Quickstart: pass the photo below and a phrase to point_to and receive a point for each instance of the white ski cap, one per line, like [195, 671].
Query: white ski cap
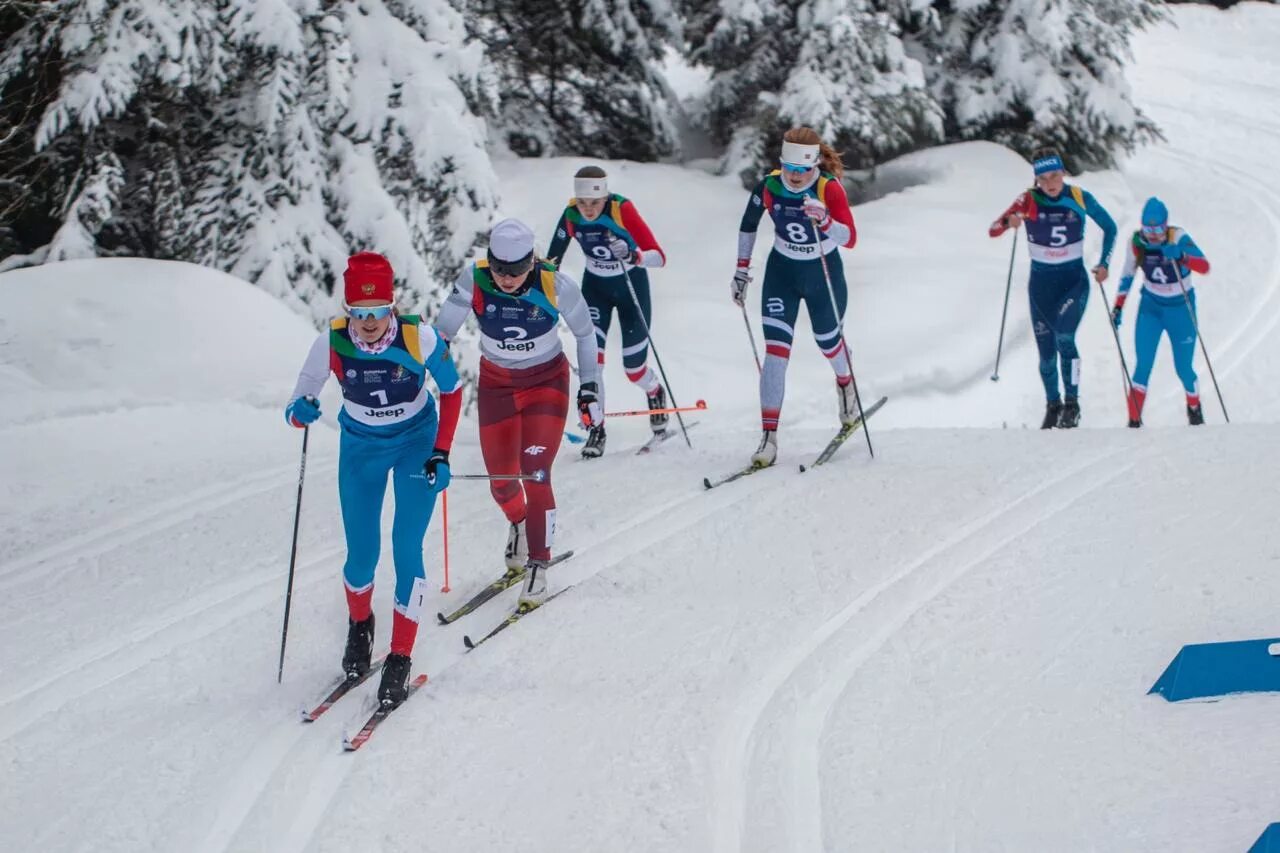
[511, 240]
[797, 154]
[590, 187]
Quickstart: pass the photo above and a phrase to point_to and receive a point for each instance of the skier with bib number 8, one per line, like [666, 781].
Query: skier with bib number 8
[811, 221]
[389, 425]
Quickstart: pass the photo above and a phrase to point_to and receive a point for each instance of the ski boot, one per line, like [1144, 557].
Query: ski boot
[848, 403]
[767, 452]
[1070, 417]
[395, 680]
[1134, 424]
[534, 592]
[1195, 415]
[1052, 413]
[658, 400]
[358, 656]
[517, 551]
[594, 448]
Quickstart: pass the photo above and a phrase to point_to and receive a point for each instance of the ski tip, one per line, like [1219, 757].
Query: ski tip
[442, 618]
[706, 482]
[466, 641]
[803, 469]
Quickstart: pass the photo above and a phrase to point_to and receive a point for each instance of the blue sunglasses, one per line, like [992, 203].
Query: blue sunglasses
[792, 167]
[376, 312]
[1153, 230]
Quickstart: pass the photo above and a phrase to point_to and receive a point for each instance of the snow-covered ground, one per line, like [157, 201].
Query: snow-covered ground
[946, 648]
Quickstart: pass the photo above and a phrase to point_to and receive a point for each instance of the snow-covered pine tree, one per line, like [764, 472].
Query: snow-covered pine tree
[578, 76]
[837, 66]
[1026, 73]
[269, 138]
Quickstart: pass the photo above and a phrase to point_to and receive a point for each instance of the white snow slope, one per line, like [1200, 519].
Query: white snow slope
[945, 648]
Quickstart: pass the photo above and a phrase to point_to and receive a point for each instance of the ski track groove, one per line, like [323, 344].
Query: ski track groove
[156, 518]
[734, 747]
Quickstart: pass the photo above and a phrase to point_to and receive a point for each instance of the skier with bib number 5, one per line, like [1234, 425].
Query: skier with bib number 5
[389, 426]
[1055, 213]
[811, 221]
[1167, 256]
[523, 396]
[618, 247]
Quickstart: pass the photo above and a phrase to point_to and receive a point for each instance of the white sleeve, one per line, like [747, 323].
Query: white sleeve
[454, 311]
[315, 370]
[573, 310]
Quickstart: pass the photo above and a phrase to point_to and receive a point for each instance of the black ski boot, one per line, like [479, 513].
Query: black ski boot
[1070, 417]
[658, 400]
[594, 448]
[1134, 424]
[359, 653]
[1052, 412]
[395, 680]
[1195, 416]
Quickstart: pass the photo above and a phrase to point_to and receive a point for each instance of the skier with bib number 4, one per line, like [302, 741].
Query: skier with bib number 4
[1167, 256]
[523, 397]
[389, 426]
[618, 247]
[811, 220]
[1055, 213]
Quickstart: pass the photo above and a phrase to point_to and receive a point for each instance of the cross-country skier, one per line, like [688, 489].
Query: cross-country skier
[618, 246]
[1055, 214]
[1167, 256]
[523, 398]
[389, 425]
[811, 220]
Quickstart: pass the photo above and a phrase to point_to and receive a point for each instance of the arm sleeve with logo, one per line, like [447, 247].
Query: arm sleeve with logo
[1192, 257]
[750, 224]
[573, 310]
[315, 370]
[454, 311]
[648, 252]
[841, 229]
[561, 239]
[1099, 215]
[440, 365]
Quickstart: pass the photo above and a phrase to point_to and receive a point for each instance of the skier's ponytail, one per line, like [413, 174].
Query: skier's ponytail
[828, 158]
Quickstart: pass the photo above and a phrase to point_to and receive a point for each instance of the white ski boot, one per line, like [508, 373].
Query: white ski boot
[767, 452]
[534, 591]
[517, 553]
[848, 403]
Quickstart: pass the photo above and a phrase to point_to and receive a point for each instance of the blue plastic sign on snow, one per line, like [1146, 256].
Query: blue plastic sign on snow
[1268, 841]
[1218, 669]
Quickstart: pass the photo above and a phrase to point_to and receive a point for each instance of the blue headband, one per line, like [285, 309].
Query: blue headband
[1052, 163]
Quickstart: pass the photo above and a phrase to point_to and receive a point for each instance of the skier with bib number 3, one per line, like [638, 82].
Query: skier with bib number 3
[389, 426]
[618, 246]
[1055, 213]
[811, 220]
[523, 396]
[1167, 256]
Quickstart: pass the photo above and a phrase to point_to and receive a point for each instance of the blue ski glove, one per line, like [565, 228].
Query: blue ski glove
[1171, 251]
[437, 471]
[302, 412]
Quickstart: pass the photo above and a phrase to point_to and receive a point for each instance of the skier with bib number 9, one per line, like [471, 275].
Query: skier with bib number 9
[1167, 256]
[618, 247]
[389, 425]
[523, 398]
[811, 221]
[1055, 213]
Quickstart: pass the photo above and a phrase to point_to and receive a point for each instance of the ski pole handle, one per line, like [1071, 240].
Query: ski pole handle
[538, 476]
[698, 406]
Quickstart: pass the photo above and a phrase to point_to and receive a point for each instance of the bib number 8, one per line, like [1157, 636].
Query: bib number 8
[797, 232]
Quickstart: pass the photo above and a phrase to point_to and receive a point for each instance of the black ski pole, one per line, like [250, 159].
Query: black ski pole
[636, 299]
[1195, 324]
[1115, 333]
[835, 311]
[293, 553]
[1008, 285]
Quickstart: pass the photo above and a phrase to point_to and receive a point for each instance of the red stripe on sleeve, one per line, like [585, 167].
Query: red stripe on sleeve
[450, 411]
[838, 206]
[639, 230]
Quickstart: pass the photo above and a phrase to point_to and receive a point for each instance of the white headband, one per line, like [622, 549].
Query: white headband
[590, 187]
[797, 154]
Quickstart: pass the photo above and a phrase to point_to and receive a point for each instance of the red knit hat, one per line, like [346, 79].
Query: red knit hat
[368, 276]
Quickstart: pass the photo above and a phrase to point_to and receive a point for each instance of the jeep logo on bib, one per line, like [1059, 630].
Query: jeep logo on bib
[384, 413]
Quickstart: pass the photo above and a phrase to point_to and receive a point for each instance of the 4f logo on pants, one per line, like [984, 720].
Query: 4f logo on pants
[534, 449]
